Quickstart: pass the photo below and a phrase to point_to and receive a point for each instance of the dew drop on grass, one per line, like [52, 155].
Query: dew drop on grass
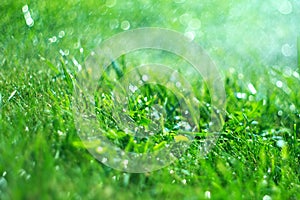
[241, 95]
[25, 8]
[285, 7]
[280, 143]
[252, 88]
[279, 84]
[104, 160]
[190, 35]
[81, 50]
[145, 77]
[3, 183]
[125, 25]
[207, 194]
[114, 24]
[28, 19]
[194, 24]
[110, 3]
[280, 113]
[267, 197]
[61, 34]
[286, 50]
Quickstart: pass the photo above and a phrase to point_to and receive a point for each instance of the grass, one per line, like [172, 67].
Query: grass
[42, 157]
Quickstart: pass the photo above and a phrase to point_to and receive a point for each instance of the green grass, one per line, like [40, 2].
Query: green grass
[42, 156]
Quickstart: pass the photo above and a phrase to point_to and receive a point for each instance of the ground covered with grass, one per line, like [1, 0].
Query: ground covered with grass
[43, 46]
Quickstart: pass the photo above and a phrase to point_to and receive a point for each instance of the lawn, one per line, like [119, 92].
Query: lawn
[45, 46]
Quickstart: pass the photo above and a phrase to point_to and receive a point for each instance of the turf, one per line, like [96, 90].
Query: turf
[258, 151]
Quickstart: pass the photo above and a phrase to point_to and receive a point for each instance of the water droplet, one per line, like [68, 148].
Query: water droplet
[61, 34]
[285, 7]
[125, 25]
[3, 183]
[104, 160]
[25, 8]
[280, 113]
[279, 84]
[113, 24]
[185, 18]
[207, 194]
[251, 88]
[145, 77]
[110, 3]
[296, 74]
[52, 39]
[132, 88]
[194, 24]
[286, 50]
[171, 171]
[240, 76]
[125, 163]
[190, 35]
[280, 143]
[178, 84]
[241, 95]
[183, 181]
[267, 197]
[99, 149]
[28, 19]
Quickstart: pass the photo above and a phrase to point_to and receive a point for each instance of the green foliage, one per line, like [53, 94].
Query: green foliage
[41, 155]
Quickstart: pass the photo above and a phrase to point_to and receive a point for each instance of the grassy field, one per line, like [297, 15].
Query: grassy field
[43, 46]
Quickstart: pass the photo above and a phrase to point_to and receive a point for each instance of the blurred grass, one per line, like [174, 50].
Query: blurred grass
[41, 156]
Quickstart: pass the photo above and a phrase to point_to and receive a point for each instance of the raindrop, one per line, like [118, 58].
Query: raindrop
[267, 197]
[99, 149]
[279, 84]
[28, 19]
[61, 34]
[207, 194]
[178, 84]
[125, 163]
[171, 171]
[285, 7]
[190, 35]
[280, 113]
[104, 160]
[241, 95]
[280, 143]
[145, 78]
[194, 24]
[3, 183]
[286, 50]
[132, 88]
[52, 39]
[113, 24]
[296, 74]
[241, 76]
[111, 3]
[292, 107]
[185, 18]
[81, 50]
[252, 88]
[125, 25]
[25, 8]
[183, 181]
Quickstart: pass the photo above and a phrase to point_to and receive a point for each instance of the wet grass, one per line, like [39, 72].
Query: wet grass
[42, 157]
